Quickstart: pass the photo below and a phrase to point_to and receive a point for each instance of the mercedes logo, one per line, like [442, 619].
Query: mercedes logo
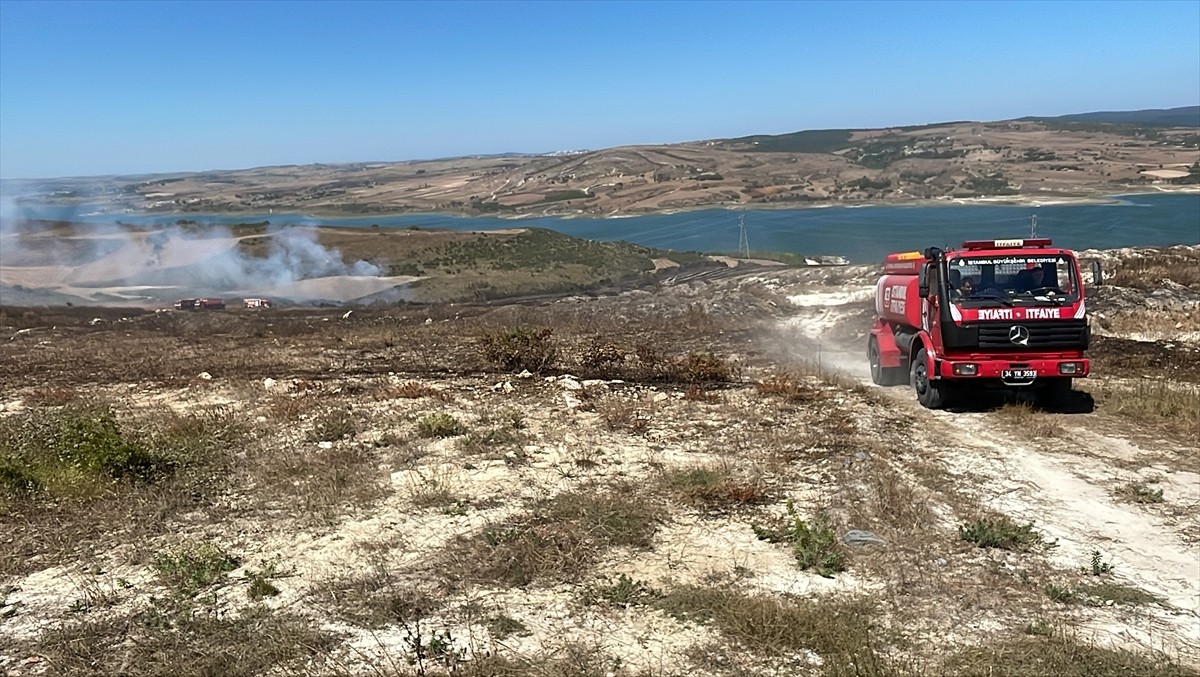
[1018, 335]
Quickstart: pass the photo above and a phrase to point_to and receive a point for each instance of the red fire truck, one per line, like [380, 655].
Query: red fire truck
[200, 304]
[993, 314]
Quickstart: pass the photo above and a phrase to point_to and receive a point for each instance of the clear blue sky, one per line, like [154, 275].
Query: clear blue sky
[96, 88]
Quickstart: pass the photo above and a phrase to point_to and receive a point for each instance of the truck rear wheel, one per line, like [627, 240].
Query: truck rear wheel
[881, 375]
[930, 393]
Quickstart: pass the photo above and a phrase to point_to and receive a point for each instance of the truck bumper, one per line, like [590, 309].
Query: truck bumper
[1016, 372]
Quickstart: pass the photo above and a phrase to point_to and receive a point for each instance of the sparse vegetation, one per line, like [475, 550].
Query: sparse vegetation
[520, 348]
[999, 531]
[565, 515]
[193, 566]
[814, 544]
[1139, 492]
[715, 487]
[440, 425]
[333, 425]
[558, 539]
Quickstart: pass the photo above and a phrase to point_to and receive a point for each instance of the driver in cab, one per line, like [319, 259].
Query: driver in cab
[1035, 281]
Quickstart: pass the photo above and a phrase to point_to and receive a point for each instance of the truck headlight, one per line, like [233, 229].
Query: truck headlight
[966, 369]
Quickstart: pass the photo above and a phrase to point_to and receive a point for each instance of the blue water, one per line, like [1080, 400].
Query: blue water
[861, 234]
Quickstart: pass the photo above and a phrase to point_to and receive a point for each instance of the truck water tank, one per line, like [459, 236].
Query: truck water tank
[897, 300]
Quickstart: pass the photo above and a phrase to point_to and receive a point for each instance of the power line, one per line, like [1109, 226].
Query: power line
[743, 241]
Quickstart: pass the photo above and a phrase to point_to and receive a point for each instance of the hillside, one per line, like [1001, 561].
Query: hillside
[693, 479]
[1070, 157]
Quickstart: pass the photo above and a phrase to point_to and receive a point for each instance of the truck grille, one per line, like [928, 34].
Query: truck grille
[1042, 334]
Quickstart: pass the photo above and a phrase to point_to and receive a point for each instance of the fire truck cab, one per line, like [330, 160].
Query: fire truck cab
[993, 314]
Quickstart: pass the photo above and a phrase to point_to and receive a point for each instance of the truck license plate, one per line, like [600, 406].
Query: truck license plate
[1018, 374]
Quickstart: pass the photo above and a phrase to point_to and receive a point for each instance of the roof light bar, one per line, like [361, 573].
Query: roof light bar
[1007, 244]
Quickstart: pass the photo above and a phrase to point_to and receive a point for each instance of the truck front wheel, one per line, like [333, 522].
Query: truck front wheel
[930, 393]
[881, 375]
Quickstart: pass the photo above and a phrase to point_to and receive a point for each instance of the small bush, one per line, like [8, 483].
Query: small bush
[703, 368]
[1137, 492]
[440, 425]
[622, 591]
[191, 567]
[713, 487]
[333, 425]
[814, 545]
[520, 348]
[787, 387]
[412, 390]
[77, 452]
[1000, 532]
[1098, 566]
[261, 586]
[621, 413]
[602, 359]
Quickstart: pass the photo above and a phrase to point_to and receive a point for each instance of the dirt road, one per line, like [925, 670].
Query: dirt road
[1069, 474]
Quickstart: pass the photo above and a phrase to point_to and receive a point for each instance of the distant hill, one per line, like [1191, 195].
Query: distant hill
[1184, 116]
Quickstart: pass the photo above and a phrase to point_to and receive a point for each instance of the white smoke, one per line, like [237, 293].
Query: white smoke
[162, 262]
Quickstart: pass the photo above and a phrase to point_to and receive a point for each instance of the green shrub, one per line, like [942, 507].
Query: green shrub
[75, 451]
[439, 425]
[814, 545]
[1000, 532]
[194, 566]
[333, 425]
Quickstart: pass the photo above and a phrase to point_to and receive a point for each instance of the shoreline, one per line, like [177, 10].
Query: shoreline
[1020, 200]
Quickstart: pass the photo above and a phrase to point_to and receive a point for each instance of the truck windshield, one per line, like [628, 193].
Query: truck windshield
[1034, 279]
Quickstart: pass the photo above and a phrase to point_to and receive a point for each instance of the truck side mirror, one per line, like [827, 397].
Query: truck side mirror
[1097, 272]
[923, 280]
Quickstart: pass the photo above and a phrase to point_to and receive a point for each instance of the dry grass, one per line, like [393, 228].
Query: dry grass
[168, 636]
[329, 444]
[1153, 402]
[1149, 270]
[716, 487]
[1030, 422]
[843, 633]
[790, 387]
[1060, 654]
[557, 540]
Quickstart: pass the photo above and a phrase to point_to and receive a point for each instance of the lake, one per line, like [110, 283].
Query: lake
[861, 234]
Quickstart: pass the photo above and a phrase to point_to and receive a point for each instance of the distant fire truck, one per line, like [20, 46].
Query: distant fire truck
[256, 304]
[996, 313]
[200, 304]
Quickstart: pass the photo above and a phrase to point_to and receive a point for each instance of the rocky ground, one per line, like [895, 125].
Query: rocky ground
[692, 479]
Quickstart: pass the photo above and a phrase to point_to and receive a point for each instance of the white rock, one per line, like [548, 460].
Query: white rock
[525, 374]
[268, 383]
[571, 384]
[508, 388]
[347, 315]
[205, 376]
[661, 397]
[324, 445]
